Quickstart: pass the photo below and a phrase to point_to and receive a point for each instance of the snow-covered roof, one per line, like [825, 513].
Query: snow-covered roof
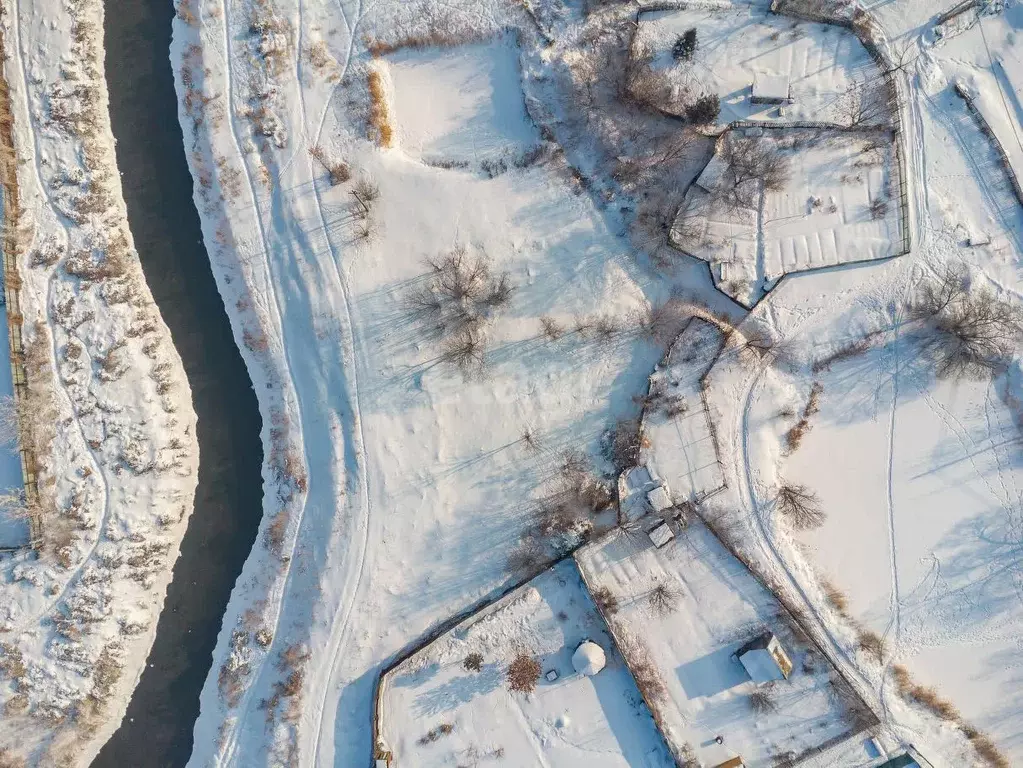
[588, 658]
[710, 177]
[659, 498]
[771, 87]
[764, 659]
[761, 666]
[661, 535]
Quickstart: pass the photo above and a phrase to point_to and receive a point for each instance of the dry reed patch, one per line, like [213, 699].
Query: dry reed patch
[380, 129]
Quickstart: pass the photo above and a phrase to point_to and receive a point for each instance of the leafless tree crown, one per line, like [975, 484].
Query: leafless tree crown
[801, 506]
[968, 333]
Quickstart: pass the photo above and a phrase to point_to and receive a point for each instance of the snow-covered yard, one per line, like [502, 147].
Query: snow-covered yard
[823, 66]
[837, 201]
[437, 712]
[712, 606]
[680, 447]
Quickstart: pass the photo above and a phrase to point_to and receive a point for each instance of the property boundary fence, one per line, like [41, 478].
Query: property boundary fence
[12, 297]
[862, 25]
[985, 128]
[956, 10]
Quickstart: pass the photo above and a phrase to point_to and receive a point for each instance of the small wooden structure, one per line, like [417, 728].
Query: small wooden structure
[660, 535]
[764, 659]
[770, 89]
[735, 762]
[659, 498]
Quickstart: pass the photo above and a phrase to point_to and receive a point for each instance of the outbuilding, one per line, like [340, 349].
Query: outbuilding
[659, 498]
[764, 659]
[770, 89]
[660, 535]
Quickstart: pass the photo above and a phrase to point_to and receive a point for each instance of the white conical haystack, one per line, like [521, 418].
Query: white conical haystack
[588, 658]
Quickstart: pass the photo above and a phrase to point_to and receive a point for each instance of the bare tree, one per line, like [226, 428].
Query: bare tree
[801, 506]
[969, 333]
[605, 600]
[551, 328]
[465, 351]
[866, 104]
[751, 164]
[624, 443]
[664, 598]
[457, 302]
[760, 701]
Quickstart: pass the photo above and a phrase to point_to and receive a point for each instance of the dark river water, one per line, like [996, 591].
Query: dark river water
[157, 730]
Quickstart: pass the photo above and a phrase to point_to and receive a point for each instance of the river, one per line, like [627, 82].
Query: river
[157, 729]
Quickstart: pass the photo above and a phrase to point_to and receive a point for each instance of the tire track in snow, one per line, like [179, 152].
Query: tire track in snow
[895, 599]
[230, 742]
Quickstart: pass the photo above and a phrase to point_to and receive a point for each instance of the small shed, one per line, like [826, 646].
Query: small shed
[660, 535]
[710, 177]
[735, 762]
[770, 89]
[659, 498]
[764, 659]
[588, 658]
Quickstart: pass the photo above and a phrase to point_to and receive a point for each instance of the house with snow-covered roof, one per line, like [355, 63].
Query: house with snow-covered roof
[764, 659]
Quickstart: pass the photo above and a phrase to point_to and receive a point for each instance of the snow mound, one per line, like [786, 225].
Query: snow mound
[588, 658]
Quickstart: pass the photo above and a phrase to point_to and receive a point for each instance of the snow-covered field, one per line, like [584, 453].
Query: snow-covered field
[924, 523]
[108, 411]
[436, 712]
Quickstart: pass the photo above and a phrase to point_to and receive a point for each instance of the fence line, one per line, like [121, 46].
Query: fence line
[12, 297]
[985, 128]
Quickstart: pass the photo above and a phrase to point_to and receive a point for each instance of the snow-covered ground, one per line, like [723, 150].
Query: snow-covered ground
[711, 607]
[437, 712]
[108, 407]
[823, 66]
[397, 485]
[838, 204]
[930, 470]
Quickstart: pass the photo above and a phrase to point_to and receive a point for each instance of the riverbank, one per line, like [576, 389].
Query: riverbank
[108, 415]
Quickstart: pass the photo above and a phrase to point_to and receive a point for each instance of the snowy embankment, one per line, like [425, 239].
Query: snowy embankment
[107, 412]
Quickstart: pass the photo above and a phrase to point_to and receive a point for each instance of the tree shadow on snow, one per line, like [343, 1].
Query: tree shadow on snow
[459, 690]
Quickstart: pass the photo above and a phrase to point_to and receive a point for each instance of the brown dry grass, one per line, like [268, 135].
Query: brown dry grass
[836, 597]
[380, 128]
[872, 643]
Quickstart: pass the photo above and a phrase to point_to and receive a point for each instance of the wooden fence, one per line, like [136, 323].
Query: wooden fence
[985, 128]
